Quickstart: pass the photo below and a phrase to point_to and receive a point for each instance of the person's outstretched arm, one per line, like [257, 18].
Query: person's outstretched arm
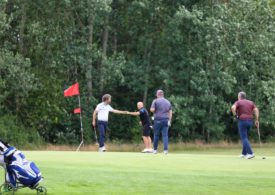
[134, 113]
[119, 112]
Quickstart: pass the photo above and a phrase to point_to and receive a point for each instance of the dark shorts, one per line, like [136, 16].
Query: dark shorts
[146, 130]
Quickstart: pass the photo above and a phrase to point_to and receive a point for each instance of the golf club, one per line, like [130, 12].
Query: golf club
[259, 135]
[260, 141]
[95, 136]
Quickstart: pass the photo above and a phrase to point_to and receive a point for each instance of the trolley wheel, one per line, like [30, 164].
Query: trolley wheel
[7, 189]
[41, 190]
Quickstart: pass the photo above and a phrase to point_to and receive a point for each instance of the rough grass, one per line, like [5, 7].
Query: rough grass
[194, 171]
[175, 147]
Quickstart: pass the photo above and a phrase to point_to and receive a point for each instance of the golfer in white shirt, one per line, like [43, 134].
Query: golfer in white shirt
[102, 112]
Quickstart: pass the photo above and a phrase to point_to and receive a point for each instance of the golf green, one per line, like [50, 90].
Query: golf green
[195, 172]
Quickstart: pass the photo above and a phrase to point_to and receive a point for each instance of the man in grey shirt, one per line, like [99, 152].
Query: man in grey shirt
[162, 110]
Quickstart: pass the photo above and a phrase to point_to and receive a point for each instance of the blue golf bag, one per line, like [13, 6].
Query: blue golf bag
[19, 169]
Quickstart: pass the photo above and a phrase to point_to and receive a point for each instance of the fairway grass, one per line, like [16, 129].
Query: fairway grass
[198, 172]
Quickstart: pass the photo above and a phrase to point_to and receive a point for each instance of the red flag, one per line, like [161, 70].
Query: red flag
[77, 110]
[72, 90]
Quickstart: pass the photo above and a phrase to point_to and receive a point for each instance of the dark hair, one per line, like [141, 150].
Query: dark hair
[242, 95]
[106, 97]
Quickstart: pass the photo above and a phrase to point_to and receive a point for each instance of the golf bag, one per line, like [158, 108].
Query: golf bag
[18, 168]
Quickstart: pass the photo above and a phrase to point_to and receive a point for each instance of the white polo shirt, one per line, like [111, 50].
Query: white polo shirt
[103, 111]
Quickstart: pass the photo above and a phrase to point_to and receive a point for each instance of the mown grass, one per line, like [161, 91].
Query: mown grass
[199, 171]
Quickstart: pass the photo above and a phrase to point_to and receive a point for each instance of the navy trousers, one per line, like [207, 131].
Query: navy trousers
[102, 126]
[244, 128]
[161, 126]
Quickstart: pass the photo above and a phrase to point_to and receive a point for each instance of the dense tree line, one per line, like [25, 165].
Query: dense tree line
[201, 52]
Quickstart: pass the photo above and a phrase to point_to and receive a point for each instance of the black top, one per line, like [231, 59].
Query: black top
[144, 117]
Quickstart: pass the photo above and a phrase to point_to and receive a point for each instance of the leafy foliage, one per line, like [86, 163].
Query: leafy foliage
[202, 53]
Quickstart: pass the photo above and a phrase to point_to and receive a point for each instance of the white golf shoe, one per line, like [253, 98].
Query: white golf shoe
[102, 149]
[242, 156]
[147, 150]
[249, 156]
[144, 151]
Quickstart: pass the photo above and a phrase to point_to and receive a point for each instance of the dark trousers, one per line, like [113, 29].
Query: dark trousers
[244, 128]
[161, 126]
[102, 126]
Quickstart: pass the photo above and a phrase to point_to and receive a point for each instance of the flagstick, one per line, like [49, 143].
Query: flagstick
[81, 126]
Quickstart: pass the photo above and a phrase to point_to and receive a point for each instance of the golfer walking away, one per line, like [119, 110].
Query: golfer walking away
[146, 126]
[162, 110]
[102, 112]
[244, 110]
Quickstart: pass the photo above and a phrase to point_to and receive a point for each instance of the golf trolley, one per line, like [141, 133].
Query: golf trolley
[7, 189]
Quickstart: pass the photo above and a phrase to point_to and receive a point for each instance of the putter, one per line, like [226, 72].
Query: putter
[259, 135]
[260, 141]
[95, 136]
